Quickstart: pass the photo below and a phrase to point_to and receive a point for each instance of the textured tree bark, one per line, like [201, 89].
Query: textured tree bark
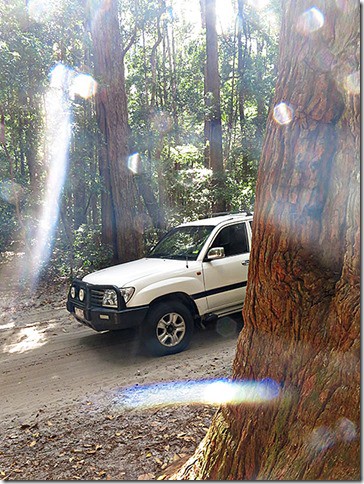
[302, 306]
[119, 199]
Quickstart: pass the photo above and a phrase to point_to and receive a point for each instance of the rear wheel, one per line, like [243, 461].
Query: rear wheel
[168, 328]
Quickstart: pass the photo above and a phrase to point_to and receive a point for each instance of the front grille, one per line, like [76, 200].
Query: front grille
[96, 297]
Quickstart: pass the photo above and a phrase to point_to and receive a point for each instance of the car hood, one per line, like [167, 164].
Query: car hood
[124, 275]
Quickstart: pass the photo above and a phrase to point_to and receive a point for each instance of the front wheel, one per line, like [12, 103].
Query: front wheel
[168, 329]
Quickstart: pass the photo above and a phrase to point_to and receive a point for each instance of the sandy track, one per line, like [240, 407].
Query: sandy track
[72, 362]
[63, 416]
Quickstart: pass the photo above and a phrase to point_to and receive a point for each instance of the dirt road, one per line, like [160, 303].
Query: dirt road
[54, 370]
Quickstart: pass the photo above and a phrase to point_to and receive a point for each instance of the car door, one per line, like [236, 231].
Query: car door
[226, 278]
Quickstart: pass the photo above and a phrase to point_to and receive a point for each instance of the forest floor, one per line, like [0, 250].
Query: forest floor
[65, 410]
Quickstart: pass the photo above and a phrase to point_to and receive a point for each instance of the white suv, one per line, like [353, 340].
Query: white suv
[197, 272]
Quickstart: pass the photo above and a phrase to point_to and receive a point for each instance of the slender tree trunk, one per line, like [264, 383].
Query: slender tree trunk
[301, 311]
[241, 62]
[231, 117]
[261, 111]
[153, 61]
[212, 96]
[119, 199]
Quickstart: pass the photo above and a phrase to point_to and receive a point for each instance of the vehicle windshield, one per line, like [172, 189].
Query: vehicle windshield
[182, 242]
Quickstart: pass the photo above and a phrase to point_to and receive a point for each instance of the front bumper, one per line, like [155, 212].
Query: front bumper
[101, 318]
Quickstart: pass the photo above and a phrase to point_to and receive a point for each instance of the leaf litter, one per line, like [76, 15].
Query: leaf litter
[89, 445]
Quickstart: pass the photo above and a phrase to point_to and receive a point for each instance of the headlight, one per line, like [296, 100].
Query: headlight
[127, 292]
[81, 294]
[110, 298]
[73, 292]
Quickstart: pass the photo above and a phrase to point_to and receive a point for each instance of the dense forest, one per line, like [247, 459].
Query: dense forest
[119, 121]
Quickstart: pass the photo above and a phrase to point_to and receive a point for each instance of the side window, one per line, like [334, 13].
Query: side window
[234, 240]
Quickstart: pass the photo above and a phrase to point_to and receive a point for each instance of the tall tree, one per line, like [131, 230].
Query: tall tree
[119, 198]
[302, 307]
[213, 131]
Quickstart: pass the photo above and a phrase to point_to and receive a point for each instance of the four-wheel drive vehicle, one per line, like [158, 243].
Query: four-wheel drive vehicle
[197, 272]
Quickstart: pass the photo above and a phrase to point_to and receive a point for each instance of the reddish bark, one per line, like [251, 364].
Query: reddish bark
[119, 198]
[302, 306]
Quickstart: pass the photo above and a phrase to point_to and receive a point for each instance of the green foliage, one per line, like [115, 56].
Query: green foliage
[166, 112]
[85, 254]
[89, 252]
[8, 224]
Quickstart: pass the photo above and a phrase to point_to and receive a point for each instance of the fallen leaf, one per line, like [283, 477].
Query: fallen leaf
[49, 423]
[148, 454]
[176, 457]
[98, 447]
[110, 417]
[181, 434]
[32, 444]
[117, 434]
[158, 461]
[161, 478]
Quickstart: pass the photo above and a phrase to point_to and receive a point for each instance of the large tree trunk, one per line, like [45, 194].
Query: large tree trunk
[119, 198]
[302, 307]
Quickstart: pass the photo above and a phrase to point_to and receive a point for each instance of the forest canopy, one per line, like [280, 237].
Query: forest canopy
[55, 183]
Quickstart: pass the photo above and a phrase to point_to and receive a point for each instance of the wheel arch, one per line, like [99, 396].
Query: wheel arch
[181, 297]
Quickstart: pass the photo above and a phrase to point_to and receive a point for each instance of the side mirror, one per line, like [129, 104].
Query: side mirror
[216, 253]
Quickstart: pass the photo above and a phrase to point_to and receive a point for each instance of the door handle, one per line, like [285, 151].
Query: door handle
[245, 262]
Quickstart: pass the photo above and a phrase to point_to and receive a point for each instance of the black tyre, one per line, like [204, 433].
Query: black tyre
[167, 329]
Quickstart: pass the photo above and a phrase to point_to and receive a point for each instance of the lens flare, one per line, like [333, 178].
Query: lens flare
[208, 392]
[352, 83]
[345, 430]
[322, 438]
[162, 122]
[226, 326]
[134, 163]
[283, 113]
[310, 21]
[11, 191]
[83, 85]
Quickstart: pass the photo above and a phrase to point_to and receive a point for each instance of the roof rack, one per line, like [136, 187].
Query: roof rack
[219, 214]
